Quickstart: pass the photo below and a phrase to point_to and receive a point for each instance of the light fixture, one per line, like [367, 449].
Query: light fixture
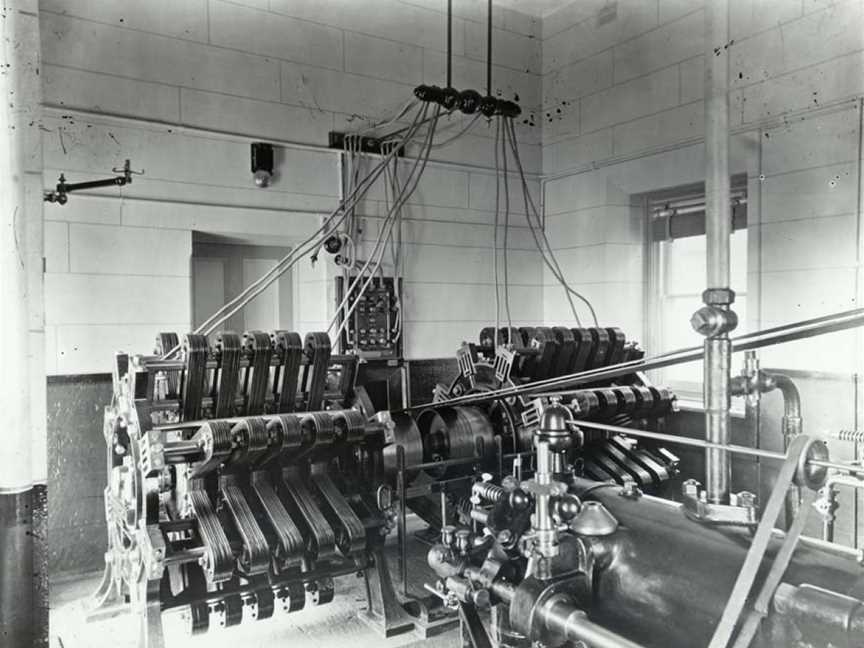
[262, 163]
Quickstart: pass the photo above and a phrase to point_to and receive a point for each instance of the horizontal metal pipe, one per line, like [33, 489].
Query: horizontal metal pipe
[830, 547]
[154, 364]
[461, 461]
[671, 438]
[736, 449]
[769, 337]
[563, 617]
[244, 137]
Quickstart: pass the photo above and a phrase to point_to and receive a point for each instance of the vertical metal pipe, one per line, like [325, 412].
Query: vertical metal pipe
[400, 519]
[717, 420]
[718, 228]
[449, 44]
[718, 220]
[489, 51]
[543, 524]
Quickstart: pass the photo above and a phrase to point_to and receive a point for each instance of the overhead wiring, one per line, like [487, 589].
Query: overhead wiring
[382, 237]
[408, 190]
[547, 254]
[496, 331]
[505, 178]
[329, 226]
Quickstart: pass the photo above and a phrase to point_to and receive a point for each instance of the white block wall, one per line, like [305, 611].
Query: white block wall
[118, 263]
[627, 78]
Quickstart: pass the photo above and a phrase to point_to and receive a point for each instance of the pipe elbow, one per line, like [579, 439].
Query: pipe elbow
[791, 395]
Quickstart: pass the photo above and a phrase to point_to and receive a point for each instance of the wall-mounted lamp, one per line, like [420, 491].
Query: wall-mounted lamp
[262, 163]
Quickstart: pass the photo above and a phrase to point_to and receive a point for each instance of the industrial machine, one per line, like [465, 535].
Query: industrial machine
[578, 560]
[241, 482]
[245, 475]
[531, 354]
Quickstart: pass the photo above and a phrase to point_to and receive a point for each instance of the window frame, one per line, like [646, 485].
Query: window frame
[689, 394]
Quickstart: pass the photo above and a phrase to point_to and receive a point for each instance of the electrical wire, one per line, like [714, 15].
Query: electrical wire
[397, 261]
[552, 268]
[449, 44]
[347, 204]
[281, 266]
[382, 234]
[413, 181]
[388, 122]
[387, 226]
[497, 329]
[489, 52]
[505, 178]
[551, 261]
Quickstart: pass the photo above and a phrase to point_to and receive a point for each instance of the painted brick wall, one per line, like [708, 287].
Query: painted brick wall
[623, 114]
[118, 263]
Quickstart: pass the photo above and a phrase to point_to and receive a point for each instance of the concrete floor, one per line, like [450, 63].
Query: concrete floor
[326, 626]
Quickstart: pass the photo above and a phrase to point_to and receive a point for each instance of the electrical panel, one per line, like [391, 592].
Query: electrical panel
[374, 329]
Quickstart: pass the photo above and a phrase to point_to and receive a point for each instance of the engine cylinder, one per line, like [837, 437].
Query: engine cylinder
[664, 580]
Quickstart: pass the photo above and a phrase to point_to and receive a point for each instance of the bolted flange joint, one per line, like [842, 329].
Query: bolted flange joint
[718, 296]
[712, 321]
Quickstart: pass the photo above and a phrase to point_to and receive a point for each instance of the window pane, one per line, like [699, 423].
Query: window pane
[685, 265]
[683, 278]
[738, 261]
[677, 333]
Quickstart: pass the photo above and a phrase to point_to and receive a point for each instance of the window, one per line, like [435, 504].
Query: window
[677, 253]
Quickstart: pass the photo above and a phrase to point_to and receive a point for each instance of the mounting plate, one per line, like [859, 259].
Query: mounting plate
[336, 140]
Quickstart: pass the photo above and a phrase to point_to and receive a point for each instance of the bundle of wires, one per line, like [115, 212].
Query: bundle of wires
[402, 193]
[397, 193]
[538, 233]
[331, 225]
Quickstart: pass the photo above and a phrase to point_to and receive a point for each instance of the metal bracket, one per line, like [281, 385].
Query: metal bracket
[741, 510]
[503, 363]
[60, 195]
[466, 364]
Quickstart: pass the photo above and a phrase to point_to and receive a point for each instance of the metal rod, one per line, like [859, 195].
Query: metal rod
[848, 468]
[671, 438]
[735, 449]
[831, 547]
[716, 397]
[718, 223]
[718, 230]
[180, 128]
[156, 363]
[449, 43]
[489, 52]
[757, 340]
[402, 521]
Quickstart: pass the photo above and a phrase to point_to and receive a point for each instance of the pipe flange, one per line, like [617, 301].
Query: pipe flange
[813, 477]
[712, 321]
[718, 296]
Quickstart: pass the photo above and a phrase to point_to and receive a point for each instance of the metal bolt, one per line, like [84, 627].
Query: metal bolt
[746, 499]
[690, 488]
